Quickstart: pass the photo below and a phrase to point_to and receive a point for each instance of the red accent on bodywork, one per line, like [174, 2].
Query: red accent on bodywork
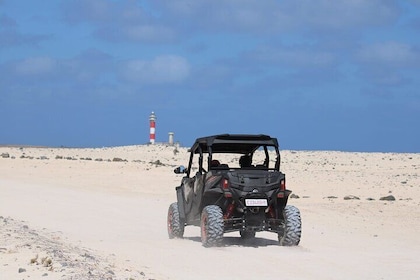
[282, 185]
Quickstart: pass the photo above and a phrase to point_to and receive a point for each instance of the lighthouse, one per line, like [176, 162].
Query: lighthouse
[152, 119]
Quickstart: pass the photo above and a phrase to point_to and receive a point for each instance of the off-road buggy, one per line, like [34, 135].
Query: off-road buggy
[234, 183]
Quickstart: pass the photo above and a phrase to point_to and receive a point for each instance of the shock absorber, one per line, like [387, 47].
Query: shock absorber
[229, 211]
[271, 212]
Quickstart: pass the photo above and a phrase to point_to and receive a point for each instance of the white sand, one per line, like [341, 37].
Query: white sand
[89, 219]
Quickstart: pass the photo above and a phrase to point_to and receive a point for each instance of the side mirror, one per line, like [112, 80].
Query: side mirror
[180, 170]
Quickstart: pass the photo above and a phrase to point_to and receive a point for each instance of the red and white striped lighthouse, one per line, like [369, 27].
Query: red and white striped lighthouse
[152, 119]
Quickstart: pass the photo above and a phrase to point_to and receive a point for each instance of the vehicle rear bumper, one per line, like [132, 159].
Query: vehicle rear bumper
[242, 224]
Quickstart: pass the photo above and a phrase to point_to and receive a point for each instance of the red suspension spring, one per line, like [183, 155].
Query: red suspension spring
[229, 210]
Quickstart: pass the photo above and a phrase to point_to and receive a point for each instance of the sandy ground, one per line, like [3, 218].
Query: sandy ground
[101, 214]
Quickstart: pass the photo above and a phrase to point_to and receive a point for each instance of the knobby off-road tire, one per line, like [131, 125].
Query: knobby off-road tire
[175, 225]
[212, 226]
[293, 228]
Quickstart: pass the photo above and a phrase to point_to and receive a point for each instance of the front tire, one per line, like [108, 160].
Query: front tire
[293, 227]
[175, 225]
[212, 226]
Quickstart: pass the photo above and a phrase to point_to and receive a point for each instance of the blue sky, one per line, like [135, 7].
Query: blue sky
[316, 74]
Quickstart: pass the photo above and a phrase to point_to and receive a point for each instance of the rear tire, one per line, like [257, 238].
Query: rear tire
[175, 226]
[293, 227]
[212, 226]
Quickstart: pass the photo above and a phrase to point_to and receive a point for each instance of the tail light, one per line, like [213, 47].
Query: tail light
[225, 184]
[282, 188]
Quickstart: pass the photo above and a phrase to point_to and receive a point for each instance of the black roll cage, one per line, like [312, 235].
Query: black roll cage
[244, 144]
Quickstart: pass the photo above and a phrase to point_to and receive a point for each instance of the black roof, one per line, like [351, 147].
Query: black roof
[233, 143]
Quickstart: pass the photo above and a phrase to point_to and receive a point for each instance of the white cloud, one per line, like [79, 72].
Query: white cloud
[296, 56]
[267, 16]
[93, 10]
[7, 22]
[389, 53]
[165, 20]
[415, 2]
[148, 33]
[119, 21]
[162, 69]
[36, 66]
[388, 64]
[341, 14]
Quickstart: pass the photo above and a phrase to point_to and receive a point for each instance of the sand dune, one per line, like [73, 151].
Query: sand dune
[101, 214]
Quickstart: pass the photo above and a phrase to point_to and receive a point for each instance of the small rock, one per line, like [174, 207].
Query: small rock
[369, 198]
[34, 260]
[157, 163]
[294, 196]
[351, 197]
[46, 261]
[5, 155]
[21, 270]
[388, 198]
[45, 274]
[117, 159]
[331, 197]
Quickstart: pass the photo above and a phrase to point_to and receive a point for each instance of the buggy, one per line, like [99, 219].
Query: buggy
[233, 183]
